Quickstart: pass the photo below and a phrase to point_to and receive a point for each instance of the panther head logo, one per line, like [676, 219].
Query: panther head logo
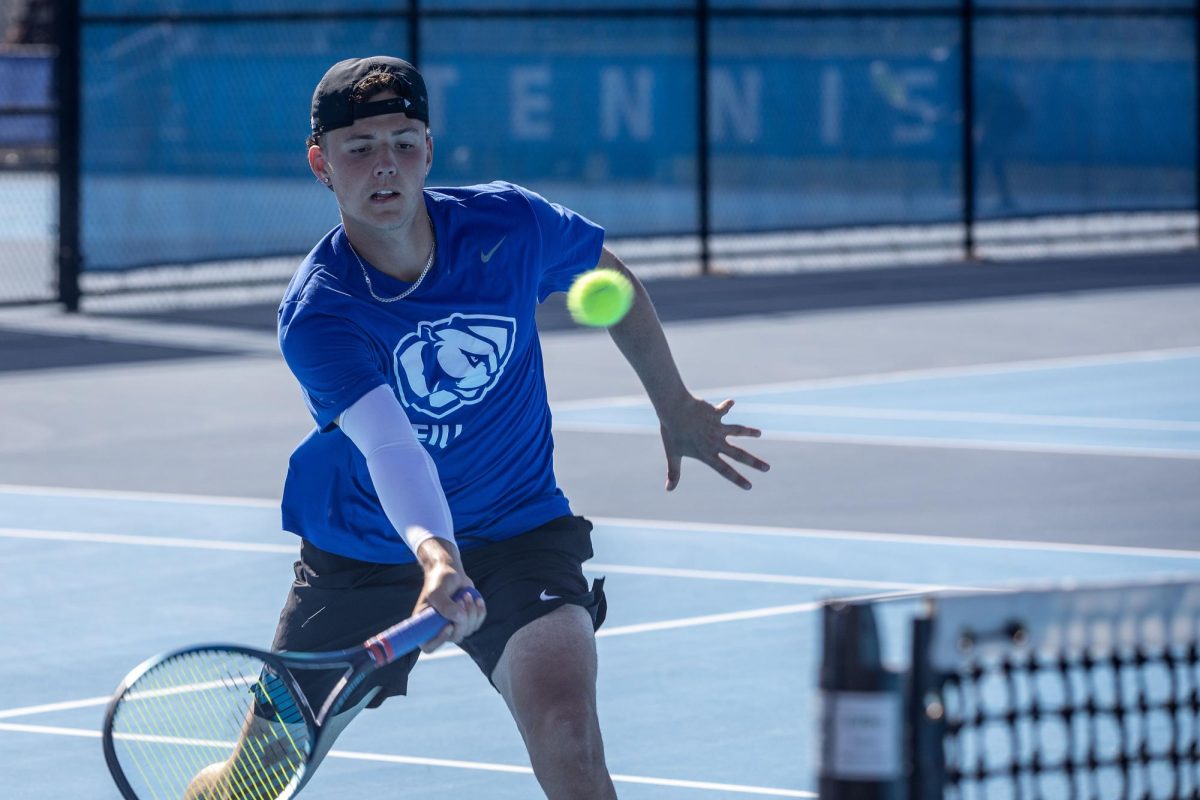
[452, 362]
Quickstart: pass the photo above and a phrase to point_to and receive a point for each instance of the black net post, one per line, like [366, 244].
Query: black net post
[67, 87]
[926, 719]
[861, 737]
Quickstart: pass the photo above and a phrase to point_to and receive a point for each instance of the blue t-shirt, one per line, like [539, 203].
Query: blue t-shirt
[462, 355]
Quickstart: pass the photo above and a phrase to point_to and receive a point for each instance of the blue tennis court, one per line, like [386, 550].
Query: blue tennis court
[709, 655]
[1144, 403]
[943, 254]
[708, 659]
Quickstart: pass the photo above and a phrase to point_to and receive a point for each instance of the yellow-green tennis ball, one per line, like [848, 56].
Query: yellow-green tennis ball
[600, 298]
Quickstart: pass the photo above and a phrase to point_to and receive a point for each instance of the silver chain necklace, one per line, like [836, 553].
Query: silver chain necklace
[409, 290]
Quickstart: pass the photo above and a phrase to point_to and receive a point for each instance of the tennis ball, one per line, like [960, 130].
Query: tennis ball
[600, 298]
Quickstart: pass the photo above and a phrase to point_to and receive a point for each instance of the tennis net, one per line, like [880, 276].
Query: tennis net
[1063, 692]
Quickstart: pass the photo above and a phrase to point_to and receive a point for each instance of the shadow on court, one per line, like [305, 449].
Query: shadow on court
[722, 296]
[677, 300]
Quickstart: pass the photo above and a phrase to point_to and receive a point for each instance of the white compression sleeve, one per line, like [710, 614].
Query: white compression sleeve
[404, 475]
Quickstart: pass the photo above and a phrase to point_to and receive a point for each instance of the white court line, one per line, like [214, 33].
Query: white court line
[973, 370]
[649, 526]
[623, 630]
[149, 497]
[669, 572]
[713, 619]
[447, 651]
[146, 541]
[918, 442]
[50, 708]
[1052, 420]
[664, 572]
[625, 569]
[754, 577]
[91, 702]
[731, 788]
[995, 368]
[673, 525]
[385, 758]
[49, 729]
[620, 630]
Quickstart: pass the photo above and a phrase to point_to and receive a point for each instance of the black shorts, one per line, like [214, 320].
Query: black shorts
[338, 602]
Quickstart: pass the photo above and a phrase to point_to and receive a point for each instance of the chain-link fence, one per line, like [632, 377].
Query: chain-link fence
[28, 191]
[718, 135]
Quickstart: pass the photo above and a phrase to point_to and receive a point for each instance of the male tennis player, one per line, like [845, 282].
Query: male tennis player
[410, 328]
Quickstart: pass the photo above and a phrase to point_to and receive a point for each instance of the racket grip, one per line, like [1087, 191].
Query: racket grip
[406, 636]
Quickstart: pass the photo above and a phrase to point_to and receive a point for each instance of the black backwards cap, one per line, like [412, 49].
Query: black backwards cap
[334, 104]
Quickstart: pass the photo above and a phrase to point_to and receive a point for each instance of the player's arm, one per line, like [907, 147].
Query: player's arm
[690, 426]
[407, 483]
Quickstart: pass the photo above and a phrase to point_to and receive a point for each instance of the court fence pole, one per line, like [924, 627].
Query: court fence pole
[703, 196]
[967, 20]
[68, 78]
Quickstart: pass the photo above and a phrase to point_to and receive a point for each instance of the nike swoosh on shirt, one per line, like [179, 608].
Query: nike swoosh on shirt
[545, 597]
[486, 257]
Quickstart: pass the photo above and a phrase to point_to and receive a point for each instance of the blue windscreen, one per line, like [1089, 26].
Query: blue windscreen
[194, 129]
[818, 123]
[1079, 114]
[99, 9]
[194, 142]
[26, 88]
[596, 114]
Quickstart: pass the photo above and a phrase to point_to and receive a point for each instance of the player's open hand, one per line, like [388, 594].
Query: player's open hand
[697, 429]
[444, 576]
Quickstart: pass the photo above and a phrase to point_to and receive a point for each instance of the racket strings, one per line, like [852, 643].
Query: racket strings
[211, 719]
[279, 747]
[153, 714]
[248, 773]
[222, 723]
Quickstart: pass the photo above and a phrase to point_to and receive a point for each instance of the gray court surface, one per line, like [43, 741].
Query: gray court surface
[199, 402]
[927, 427]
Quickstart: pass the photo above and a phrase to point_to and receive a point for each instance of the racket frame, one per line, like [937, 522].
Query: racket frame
[278, 662]
[359, 662]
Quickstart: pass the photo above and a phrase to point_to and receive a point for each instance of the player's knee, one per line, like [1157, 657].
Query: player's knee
[569, 733]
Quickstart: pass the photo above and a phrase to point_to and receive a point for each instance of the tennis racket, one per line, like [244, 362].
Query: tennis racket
[225, 722]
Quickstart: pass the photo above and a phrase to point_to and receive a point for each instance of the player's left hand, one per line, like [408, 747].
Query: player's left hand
[697, 430]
